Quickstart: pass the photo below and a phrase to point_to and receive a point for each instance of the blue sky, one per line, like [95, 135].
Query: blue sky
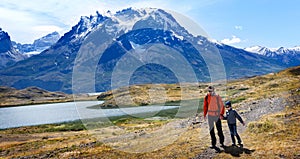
[238, 23]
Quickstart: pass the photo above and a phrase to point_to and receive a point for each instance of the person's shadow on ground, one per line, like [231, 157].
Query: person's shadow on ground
[236, 151]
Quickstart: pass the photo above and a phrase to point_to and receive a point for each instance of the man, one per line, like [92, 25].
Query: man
[213, 107]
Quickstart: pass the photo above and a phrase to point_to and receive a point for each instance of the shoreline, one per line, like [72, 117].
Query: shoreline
[49, 102]
[167, 113]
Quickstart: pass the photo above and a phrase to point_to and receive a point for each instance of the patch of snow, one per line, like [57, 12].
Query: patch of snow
[125, 23]
[137, 47]
[29, 54]
[213, 41]
[273, 49]
[296, 48]
[254, 49]
[177, 36]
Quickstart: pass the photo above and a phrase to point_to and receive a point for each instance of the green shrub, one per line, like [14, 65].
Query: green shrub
[238, 100]
[261, 127]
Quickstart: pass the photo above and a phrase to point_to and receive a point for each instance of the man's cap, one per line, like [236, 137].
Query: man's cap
[211, 88]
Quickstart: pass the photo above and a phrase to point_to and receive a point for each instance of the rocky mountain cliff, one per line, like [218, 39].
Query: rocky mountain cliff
[8, 54]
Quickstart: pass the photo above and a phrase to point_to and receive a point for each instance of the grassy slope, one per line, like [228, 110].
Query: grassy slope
[273, 136]
[239, 90]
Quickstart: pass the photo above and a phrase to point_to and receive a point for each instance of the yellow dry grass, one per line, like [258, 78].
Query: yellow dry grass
[84, 145]
[273, 136]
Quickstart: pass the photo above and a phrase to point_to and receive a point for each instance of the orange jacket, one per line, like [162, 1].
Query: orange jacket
[211, 106]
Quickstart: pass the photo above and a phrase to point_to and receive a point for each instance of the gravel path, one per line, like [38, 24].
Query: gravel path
[250, 111]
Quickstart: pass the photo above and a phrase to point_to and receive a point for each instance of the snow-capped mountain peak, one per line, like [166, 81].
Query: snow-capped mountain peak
[260, 50]
[296, 48]
[288, 56]
[271, 52]
[46, 41]
[38, 45]
[141, 18]
[124, 21]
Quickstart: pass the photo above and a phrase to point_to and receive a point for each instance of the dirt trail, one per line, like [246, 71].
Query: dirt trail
[250, 111]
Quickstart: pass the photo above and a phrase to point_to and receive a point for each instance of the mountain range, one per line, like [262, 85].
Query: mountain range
[149, 41]
[288, 56]
[38, 45]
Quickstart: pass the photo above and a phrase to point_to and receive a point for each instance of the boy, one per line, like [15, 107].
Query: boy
[231, 116]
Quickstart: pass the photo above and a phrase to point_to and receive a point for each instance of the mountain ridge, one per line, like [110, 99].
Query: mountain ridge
[265, 51]
[52, 69]
[38, 45]
[288, 56]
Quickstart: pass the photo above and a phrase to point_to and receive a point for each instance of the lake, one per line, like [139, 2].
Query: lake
[63, 112]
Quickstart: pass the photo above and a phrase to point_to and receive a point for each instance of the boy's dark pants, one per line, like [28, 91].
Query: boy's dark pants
[233, 132]
[211, 121]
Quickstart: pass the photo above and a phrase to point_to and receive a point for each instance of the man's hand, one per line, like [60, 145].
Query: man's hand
[243, 123]
[221, 117]
[204, 118]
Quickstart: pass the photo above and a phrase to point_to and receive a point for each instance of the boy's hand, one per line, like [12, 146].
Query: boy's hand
[243, 123]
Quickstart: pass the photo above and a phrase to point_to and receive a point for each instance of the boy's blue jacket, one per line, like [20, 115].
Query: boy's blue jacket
[231, 116]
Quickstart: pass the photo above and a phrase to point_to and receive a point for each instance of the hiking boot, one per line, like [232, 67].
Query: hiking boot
[218, 150]
[240, 144]
[222, 145]
[233, 145]
[212, 146]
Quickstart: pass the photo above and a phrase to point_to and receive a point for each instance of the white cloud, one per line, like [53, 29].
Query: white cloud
[238, 27]
[26, 21]
[21, 18]
[232, 40]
